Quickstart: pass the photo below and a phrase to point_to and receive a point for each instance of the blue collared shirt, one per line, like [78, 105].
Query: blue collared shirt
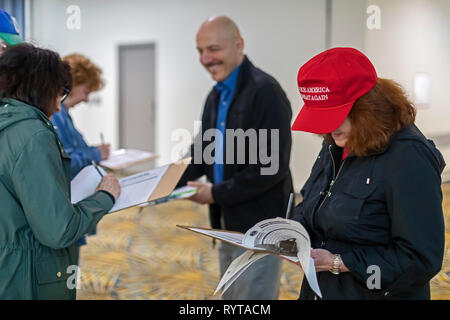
[73, 143]
[226, 89]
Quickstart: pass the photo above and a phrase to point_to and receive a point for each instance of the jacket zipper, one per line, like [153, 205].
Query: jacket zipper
[333, 181]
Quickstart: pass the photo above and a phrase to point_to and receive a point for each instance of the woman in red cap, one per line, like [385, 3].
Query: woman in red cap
[373, 202]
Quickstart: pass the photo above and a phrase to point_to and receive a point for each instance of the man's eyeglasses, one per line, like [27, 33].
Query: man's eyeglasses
[66, 92]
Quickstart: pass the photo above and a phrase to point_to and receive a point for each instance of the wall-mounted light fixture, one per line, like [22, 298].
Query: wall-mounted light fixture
[422, 90]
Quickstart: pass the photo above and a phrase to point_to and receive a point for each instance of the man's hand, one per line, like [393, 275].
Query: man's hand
[204, 192]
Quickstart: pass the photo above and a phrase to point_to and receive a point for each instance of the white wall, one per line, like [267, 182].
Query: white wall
[415, 37]
[279, 38]
[348, 24]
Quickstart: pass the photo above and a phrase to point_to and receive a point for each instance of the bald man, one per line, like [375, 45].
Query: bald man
[241, 191]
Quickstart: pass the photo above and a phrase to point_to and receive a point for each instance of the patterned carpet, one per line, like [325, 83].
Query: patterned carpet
[140, 254]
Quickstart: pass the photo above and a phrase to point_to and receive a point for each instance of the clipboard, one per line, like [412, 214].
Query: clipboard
[261, 248]
[170, 179]
[232, 237]
[149, 185]
[136, 189]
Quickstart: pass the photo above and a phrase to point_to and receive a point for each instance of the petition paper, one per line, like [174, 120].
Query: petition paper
[137, 188]
[134, 189]
[85, 183]
[267, 234]
[237, 267]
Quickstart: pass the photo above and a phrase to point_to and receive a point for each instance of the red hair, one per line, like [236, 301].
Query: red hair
[84, 71]
[377, 115]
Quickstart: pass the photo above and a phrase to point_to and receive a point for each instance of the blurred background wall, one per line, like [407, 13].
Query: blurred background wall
[401, 37]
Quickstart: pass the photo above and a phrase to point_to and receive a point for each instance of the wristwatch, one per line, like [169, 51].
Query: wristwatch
[336, 262]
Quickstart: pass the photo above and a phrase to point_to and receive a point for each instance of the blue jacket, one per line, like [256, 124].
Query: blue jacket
[73, 142]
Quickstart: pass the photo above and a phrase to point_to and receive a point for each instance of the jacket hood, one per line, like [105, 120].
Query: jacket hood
[13, 111]
[413, 133]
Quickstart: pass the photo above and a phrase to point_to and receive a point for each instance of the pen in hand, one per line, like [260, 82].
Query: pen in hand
[109, 183]
[96, 168]
[103, 148]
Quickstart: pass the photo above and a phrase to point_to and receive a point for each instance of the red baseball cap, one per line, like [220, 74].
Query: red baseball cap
[329, 85]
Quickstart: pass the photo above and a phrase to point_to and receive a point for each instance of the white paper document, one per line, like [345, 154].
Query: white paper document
[266, 237]
[236, 268]
[134, 189]
[227, 236]
[123, 158]
[272, 231]
[137, 188]
[85, 183]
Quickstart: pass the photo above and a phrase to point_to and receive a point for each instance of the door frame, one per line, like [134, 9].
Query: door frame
[121, 111]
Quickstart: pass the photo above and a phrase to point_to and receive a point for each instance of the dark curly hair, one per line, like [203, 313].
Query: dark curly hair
[376, 116]
[34, 76]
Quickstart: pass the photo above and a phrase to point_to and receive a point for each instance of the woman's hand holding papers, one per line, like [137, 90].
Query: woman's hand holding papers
[323, 260]
[204, 192]
[110, 184]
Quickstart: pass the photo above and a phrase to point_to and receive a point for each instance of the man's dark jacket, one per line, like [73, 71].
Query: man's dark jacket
[384, 216]
[246, 196]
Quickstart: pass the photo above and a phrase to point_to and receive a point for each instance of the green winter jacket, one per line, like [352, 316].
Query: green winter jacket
[39, 226]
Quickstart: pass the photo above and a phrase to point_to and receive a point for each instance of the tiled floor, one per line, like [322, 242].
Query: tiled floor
[141, 254]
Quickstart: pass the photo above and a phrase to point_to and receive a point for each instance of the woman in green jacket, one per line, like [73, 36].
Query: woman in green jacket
[39, 226]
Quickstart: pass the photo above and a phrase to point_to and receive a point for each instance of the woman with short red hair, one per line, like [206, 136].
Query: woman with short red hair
[373, 202]
[86, 78]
